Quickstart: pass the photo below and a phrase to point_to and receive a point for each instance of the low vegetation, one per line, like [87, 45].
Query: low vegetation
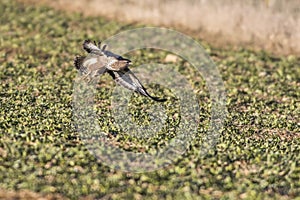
[257, 155]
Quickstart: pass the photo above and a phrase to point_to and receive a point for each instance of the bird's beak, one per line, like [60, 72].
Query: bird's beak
[128, 61]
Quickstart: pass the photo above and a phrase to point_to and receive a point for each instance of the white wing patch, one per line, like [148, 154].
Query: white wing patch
[99, 61]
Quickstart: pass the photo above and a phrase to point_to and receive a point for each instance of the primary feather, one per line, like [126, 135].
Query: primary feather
[100, 61]
[128, 80]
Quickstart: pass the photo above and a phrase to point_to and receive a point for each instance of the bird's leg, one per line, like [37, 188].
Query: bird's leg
[86, 78]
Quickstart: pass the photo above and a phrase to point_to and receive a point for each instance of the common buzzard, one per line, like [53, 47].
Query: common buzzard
[98, 61]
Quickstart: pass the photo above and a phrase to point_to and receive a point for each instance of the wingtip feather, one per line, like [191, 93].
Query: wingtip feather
[158, 99]
[86, 46]
[145, 93]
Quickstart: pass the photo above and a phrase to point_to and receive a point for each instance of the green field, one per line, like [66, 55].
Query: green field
[257, 155]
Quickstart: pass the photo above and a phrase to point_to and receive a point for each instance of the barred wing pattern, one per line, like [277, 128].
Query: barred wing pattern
[100, 61]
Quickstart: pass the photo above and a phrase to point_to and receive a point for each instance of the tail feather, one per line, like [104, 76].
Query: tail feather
[78, 61]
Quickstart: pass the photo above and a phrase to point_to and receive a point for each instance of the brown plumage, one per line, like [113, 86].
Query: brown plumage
[98, 61]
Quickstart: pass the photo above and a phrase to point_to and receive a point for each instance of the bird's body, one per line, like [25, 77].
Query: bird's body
[100, 61]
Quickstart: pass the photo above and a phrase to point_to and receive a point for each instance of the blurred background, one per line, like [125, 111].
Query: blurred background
[271, 25]
[42, 155]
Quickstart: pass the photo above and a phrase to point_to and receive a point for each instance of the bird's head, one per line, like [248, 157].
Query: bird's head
[117, 63]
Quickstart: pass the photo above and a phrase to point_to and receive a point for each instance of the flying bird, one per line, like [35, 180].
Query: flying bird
[99, 61]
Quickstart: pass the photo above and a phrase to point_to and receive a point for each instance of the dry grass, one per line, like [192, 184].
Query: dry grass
[272, 25]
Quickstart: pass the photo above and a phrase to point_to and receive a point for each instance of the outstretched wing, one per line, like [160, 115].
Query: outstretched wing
[128, 80]
[92, 48]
